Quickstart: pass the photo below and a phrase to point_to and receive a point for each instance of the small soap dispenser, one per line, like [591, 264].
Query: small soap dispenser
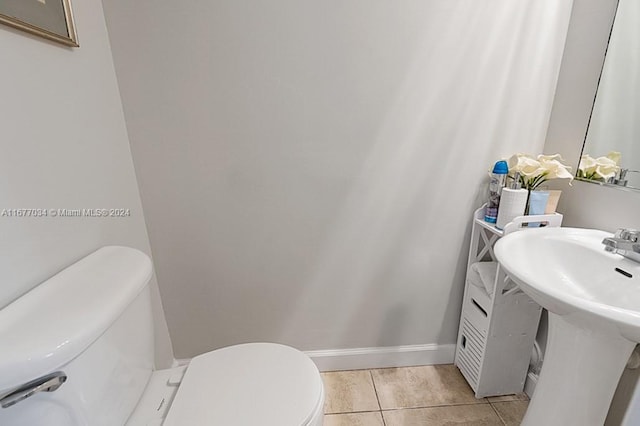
[512, 202]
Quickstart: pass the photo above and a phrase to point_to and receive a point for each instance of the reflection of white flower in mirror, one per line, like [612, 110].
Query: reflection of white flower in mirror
[601, 168]
[587, 165]
[536, 170]
[607, 168]
[615, 156]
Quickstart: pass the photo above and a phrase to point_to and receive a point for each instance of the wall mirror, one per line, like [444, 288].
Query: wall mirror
[611, 152]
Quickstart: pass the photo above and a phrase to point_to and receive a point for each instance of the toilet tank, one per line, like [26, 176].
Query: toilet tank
[92, 323]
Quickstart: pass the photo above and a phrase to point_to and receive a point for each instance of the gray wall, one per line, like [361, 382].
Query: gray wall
[309, 169]
[64, 145]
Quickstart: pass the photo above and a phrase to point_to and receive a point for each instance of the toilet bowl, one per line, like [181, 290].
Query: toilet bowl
[78, 350]
[250, 383]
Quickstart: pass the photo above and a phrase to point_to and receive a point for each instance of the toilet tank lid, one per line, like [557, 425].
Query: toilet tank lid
[57, 320]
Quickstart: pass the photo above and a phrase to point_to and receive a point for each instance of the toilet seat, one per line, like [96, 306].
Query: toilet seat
[249, 384]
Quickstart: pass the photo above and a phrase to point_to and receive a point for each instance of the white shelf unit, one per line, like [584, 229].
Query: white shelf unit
[498, 323]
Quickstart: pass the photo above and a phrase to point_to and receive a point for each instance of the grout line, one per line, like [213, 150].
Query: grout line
[427, 407]
[497, 413]
[455, 404]
[352, 412]
[375, 389]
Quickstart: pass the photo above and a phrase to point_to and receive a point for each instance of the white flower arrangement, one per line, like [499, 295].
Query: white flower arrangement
[536, 170]
[601, 168]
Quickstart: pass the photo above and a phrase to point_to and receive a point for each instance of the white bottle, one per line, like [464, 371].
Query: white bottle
[513, 202]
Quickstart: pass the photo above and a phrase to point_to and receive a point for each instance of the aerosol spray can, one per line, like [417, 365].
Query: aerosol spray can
[497, 182]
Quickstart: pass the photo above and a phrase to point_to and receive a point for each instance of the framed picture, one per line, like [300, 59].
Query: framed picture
[51, 19]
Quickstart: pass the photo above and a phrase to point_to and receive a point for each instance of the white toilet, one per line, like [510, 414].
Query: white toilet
[78, 350]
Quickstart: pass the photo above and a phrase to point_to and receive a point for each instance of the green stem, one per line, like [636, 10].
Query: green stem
[536, 181]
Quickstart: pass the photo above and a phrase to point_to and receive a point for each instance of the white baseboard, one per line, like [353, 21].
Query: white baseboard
[530, 383]
[382, 357]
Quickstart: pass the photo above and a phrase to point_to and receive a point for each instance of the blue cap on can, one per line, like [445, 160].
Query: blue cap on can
[501, 168]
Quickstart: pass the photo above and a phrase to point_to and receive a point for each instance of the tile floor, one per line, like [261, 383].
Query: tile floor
[411, 396]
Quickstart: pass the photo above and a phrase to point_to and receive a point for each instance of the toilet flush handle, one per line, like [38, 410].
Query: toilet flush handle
[49, 383]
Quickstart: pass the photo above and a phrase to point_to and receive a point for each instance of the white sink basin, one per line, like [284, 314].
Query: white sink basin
[593, 299]
[567, 271]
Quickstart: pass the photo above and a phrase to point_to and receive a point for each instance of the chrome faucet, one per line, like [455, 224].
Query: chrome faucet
[625, 242]
[621, 178]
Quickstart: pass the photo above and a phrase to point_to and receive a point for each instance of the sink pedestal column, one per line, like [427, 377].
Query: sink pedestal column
[579, 375]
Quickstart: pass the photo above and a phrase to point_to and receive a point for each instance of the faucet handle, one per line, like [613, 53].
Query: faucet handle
[630, 235]
[625, 234]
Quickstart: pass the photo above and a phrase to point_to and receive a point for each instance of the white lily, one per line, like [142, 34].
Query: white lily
[601, 168]
[615, 156]
[536, 170]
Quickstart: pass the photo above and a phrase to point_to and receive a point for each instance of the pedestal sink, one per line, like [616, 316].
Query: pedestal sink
[593, 299]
